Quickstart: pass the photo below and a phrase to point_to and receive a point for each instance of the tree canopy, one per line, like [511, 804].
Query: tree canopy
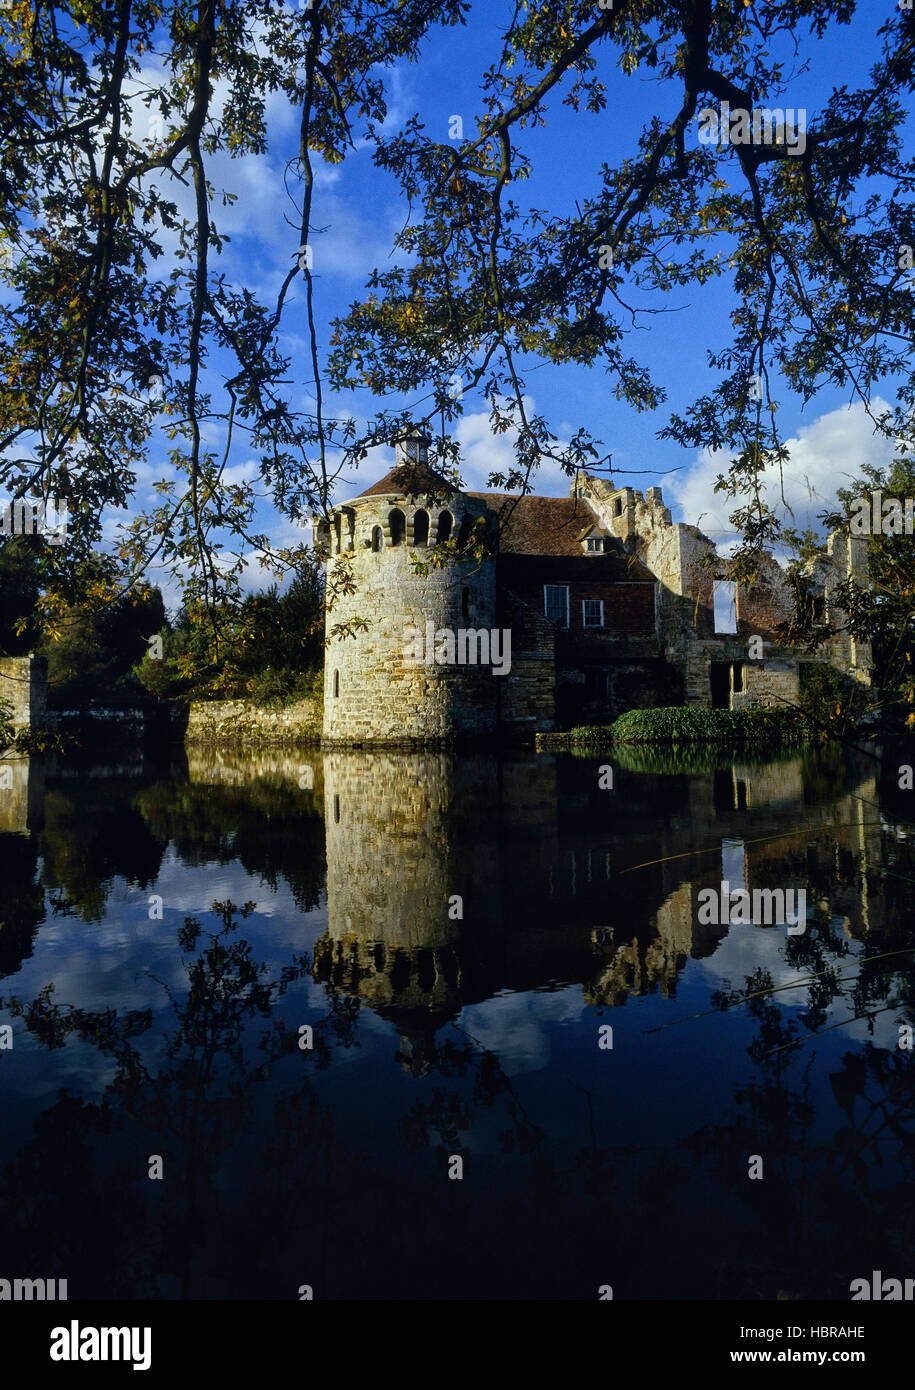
[120, 329]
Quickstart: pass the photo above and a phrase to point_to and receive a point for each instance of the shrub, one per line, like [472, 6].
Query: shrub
[830, 700]
[7, 732]
[28, 741]
[275, 687]
[693, 725]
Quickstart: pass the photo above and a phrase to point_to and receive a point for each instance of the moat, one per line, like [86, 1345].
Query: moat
[307, 983]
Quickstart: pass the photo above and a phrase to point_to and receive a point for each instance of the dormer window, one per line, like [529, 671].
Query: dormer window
[596, 545]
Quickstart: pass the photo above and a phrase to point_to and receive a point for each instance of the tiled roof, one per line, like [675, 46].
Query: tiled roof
[412, 479]
[543, 525]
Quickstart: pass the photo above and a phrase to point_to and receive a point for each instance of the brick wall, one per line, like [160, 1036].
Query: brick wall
[629, 607]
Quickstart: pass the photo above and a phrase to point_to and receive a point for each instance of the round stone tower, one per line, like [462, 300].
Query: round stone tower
[398, 678]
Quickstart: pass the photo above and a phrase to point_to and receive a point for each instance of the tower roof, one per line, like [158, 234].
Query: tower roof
[414, 479]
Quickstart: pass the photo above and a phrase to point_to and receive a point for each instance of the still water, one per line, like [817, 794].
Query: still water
[531, 1071]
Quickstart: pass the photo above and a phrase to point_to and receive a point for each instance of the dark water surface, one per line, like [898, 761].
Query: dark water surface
[456, 930]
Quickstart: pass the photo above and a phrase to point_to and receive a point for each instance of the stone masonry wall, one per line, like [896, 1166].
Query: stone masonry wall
[373, 693]
[24, 685]
[677, 555]
[527, 696]
[238, 721]
[768, 683]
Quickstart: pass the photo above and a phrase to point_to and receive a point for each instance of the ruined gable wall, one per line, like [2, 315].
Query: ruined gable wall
[673, 552]
[847, 559]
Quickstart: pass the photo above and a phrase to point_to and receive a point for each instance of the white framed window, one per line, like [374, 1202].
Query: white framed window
[592, 612]
[556, 603]
[596, 544]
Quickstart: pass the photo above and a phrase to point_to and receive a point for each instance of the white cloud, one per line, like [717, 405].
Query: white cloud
[517, 1026]
[483, 452]
[825, 455]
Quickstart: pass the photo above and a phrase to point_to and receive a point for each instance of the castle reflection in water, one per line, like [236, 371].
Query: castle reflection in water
[452, 877]
[458, 928]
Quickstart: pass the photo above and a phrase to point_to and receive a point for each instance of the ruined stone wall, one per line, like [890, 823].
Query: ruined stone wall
[762, 606]
[24, 686]
[677, 555]
[847, 559]
[238, 721]
[626, 513]
[696, 687]
[372, 692]
[770, 683]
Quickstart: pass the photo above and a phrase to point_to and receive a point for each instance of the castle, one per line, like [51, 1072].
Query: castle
[539, 858]
[604, 603]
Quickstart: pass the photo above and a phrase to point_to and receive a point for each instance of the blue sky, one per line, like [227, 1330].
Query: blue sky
[360, 208]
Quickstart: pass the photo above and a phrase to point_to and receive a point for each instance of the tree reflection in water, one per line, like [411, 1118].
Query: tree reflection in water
[285, 1167]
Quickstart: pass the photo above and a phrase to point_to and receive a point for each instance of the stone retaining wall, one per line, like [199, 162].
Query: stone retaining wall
[239, 722]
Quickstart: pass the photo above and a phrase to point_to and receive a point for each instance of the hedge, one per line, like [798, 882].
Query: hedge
[675, 724]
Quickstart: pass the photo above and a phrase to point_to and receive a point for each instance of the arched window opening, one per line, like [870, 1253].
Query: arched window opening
[618, 507]
[421, 528]
[376, 537]
[445, 523]
[398, 524]
[336, 685]
[465, 532]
